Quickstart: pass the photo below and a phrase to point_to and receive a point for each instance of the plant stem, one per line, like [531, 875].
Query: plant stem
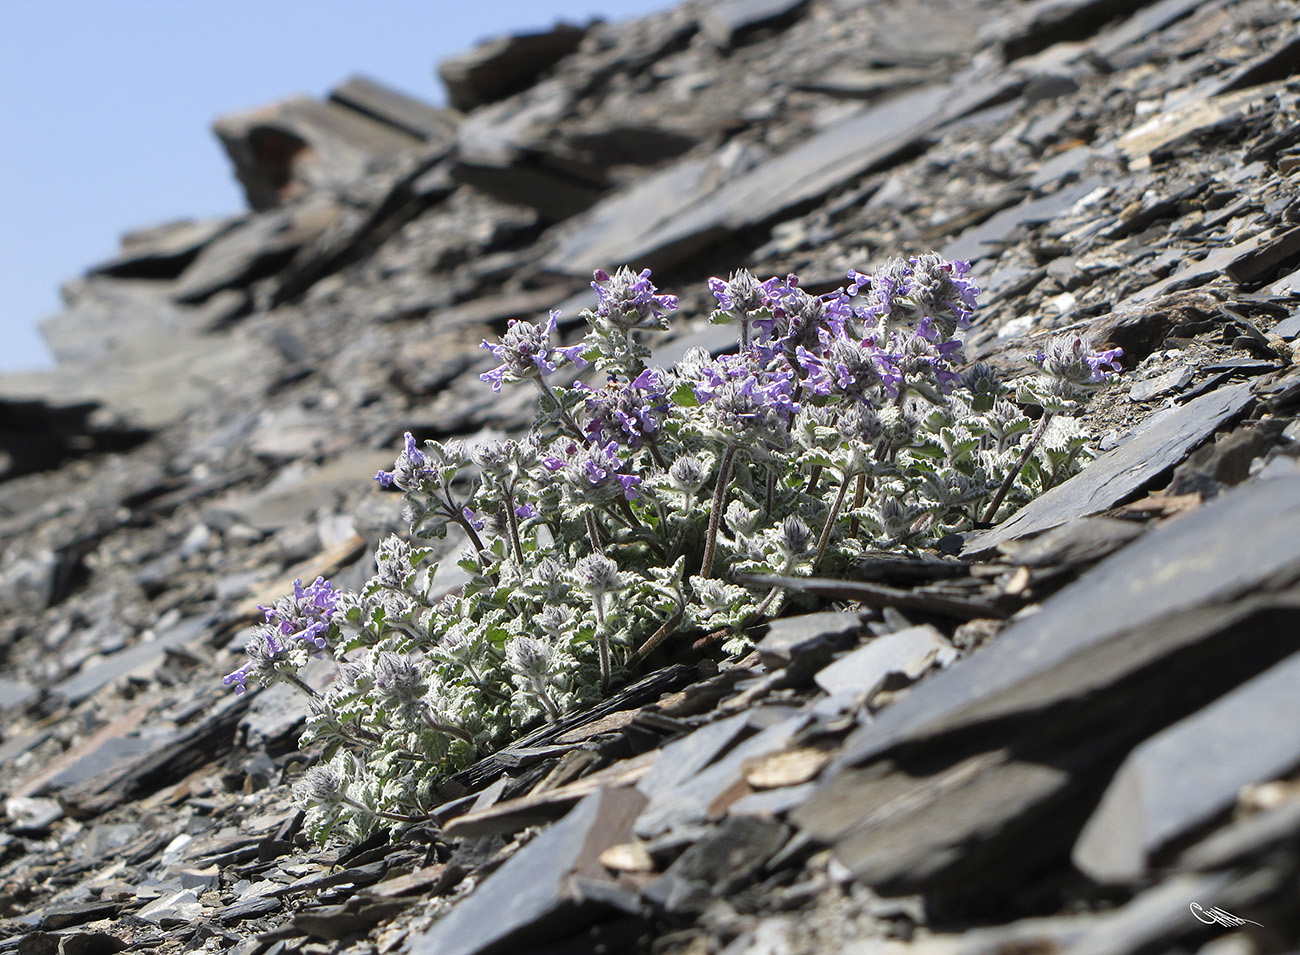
[831, 518]
[539, 690]
[446, 728]
[293, 679]
[564, 415]
[715, 516]
[1017, 468]
[594, 533]
[383, 813]
[859, 495]
[658, 636]
[512, 522]
[602, 640]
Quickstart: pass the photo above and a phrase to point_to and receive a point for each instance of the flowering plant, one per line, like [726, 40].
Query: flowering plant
[844, 423]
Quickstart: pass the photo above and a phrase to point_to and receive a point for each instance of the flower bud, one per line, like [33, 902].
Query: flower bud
[528, 656]
[597, 574]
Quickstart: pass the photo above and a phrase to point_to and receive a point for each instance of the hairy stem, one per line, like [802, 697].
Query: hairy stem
[593, 531]
[715, 515]
[658, 636]
[564, 414]
[383, 813]
[1019, 466]
[538, 686]
[831, 518]
[447, 728]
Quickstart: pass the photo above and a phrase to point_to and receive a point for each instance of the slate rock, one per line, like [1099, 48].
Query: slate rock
[1189, 773]
[705, 794]
[178, 908]
[144, 654]
[163, 251]
[299, 145]
[1156, 446]
[1067, 649]
[791, 639]
[388, 106]
[15, 694]
[498, 68]
[1175, 379]
[731, 856]
[729, 22]
[985, 239]
[547, 890]
[697, 218]
[903, 655]
[255, 249]
[31, 816]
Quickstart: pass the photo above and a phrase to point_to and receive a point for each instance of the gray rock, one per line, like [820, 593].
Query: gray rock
[300, 145]
[545, 891]
[1174, 380]
[986, 238]
[1068, 649]
[500, 67]
[405, 113]
[255, 249]
[1157, 445]
[163, 251]
[731, 21]
[138, 658]
[718, 865]
[903, 655]
[695, 798]
[1191, 772]
[696, 218]
[796, 638]
[31, 816]
[15, 694]
[172, 910]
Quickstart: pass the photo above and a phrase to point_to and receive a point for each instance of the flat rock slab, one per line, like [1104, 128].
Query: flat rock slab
[1159, 444]
[545, 891]
[904, 653]
[1113, 620]
[1192, 771]
[727, 22]
[694, 218]
[497, 68]
[695, 798]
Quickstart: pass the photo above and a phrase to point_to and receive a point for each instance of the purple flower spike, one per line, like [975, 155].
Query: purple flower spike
[1070, 360]
[525, 352]
[629, 299]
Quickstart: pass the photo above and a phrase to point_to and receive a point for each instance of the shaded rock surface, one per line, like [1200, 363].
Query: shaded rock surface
[1070, 732]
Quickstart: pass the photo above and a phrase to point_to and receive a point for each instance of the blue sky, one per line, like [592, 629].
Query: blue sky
[106, 107]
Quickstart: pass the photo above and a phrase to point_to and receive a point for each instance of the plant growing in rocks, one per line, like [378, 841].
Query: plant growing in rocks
[645, 503]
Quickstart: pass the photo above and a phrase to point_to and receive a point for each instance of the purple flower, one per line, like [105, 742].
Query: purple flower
[747, 399]
[625, 413]
[472, 519]
[305, 616]
[594, 468]
[628, 299]
[1070, 360]
[741, 294]
[525, 511]
[263, 651]
[525, 352]
[904, 291]
[411, 468]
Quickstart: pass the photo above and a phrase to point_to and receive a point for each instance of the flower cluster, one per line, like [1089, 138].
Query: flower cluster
[645, 505]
